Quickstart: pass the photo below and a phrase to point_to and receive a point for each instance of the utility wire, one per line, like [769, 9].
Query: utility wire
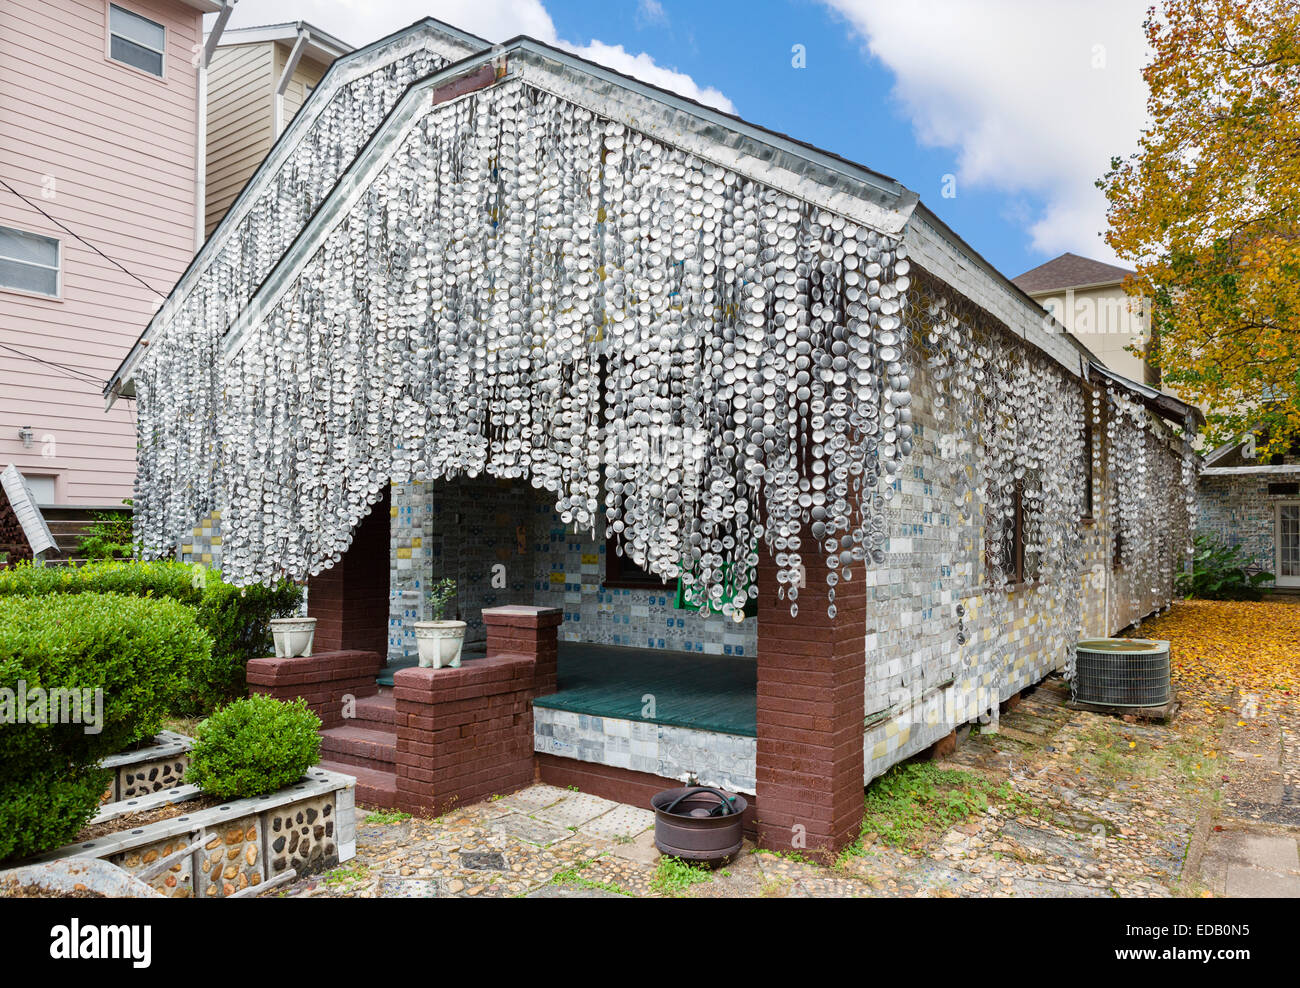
[74, 233]
[67, 371]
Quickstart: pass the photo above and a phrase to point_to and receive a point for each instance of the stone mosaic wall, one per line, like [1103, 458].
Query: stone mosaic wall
[1237, 509]
[708, 758]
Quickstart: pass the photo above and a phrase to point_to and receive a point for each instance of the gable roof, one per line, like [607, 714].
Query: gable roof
[798, 168]
[1069, 271]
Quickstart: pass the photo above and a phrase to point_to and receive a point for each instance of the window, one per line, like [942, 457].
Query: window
[623, 574]
[1012, 563]
[29, 262]
[41, 488]
[135, 41]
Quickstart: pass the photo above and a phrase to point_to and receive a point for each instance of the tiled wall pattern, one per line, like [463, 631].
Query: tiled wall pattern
[476, 531]
[920, 682]
[204, 544]
[1237, 510]
[466, 527]
[570, 568]
[709, 758]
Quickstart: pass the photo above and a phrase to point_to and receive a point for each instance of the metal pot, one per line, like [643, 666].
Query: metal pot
[699, 823]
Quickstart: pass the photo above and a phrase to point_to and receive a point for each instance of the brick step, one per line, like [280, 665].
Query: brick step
[375, 788]
[361, 746]
[376, 712]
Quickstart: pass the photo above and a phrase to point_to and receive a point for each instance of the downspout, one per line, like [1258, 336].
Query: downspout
[202, 59]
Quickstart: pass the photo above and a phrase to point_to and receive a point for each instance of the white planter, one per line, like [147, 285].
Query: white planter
[292, 636]
[440, 643]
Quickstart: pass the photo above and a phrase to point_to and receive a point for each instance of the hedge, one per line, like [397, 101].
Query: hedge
[252, 747]
[238, 620]
[141, 653]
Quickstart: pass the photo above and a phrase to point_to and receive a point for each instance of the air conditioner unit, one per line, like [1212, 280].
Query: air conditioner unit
[1122, 672]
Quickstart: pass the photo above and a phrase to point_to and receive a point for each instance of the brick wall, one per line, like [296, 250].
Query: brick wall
[463, 734]
[322, 679]
[466, 734]
[350, 599]
[810, 712]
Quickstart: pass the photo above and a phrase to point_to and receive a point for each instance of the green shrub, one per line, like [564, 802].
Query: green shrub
[47, 809]
[140, 653]
[238, 620]
[1221, 572]
[254, 746]
[111, 537]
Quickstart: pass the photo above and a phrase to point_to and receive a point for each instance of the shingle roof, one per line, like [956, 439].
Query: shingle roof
[1069, 271]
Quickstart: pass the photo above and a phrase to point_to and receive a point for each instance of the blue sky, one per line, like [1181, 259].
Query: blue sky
[1016, 106]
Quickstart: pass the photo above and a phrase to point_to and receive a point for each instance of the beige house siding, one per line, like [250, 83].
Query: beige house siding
[242, 115]
[1107, 321]
[241, 83]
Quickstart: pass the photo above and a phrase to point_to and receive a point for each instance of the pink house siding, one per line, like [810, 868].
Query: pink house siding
[109, 151]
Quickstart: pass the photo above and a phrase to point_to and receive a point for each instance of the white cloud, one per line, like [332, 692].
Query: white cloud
[358, 22]
[1034, 97]
[650, 12]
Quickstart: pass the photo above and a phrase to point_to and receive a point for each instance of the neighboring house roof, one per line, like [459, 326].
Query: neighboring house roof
[1165, 405]
[317, 45]
[24, 507]
[821, 177]
[1282, 469]
[1069, 271]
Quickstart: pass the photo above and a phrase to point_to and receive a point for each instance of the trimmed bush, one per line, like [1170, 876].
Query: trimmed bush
[238, 620]
[141, 653]
[255, 746]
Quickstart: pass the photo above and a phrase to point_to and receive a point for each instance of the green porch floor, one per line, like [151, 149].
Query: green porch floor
[705, 692]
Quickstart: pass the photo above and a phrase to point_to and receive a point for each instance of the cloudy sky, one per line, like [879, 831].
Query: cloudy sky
[1000, 113]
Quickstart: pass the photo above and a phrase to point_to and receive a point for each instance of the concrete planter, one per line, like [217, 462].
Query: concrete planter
[440, 643]
[293, 636]
[235, 849]
[157, 766]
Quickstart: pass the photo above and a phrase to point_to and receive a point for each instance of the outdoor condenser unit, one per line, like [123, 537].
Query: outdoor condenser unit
[1122, 672]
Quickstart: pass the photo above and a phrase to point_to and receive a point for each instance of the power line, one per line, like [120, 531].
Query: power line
[74, 233]
[64, 368]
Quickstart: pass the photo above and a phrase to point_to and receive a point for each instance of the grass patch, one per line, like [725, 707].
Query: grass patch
[347, 877]
[387, 816]
[574, 876]
[674, 876]
[910, 800]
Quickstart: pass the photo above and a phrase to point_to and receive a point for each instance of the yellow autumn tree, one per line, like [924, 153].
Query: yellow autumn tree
[1208, 211]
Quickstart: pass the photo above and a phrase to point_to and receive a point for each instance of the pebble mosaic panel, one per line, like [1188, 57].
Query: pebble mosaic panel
[177, 882]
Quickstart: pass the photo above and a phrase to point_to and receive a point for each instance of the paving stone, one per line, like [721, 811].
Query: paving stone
[483, 860]
[531, 831]
[392, 887]
[572, 892]
[621, 821]
[1245, 882]
[574, 810]
[533, 798]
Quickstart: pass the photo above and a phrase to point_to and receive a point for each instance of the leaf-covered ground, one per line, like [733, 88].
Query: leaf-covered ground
[1228, 654]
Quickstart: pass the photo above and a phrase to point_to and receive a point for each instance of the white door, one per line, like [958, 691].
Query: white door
[1288, 544]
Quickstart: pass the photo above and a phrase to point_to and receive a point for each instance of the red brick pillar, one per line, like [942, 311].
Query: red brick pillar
[463, 734]
[517, 629]
[810, 711]
[322, 679]
[350, 599]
